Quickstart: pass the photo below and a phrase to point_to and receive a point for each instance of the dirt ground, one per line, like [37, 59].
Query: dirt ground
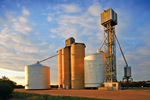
[114, 95]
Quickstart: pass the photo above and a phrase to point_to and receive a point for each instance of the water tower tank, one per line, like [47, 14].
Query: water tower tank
[127, 72]
[37, 76]
[94, 71]
[109, 15]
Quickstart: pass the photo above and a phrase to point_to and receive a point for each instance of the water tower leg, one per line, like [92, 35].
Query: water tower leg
[127, 83]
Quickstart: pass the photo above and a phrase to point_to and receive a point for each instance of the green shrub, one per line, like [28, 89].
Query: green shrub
[5, 90]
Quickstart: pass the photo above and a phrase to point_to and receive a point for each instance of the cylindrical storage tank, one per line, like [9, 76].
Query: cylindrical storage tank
[37, 76]
[94, 71]
[66, 67]
[77, 65]
[60, 68]
[127, 72]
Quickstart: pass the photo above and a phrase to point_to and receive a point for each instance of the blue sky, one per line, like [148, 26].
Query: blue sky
[32, 30]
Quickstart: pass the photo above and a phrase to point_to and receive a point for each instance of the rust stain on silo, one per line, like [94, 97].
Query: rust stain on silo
[77, 65]
[66, 67]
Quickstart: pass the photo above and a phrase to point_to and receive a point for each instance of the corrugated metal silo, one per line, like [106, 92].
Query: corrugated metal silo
[60, 68]
[77, 65]
[94, 71]
[37, 76]
[66, 67]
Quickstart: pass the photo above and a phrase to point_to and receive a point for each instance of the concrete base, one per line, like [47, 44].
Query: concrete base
[102, 88]
[112, 86]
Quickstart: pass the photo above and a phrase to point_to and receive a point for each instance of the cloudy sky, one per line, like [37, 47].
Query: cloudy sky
[31, 30]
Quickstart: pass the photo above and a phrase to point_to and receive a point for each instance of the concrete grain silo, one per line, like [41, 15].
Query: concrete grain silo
[77, 65]
[60, 68]
[37, 76]
[66, 74]
[94, 71]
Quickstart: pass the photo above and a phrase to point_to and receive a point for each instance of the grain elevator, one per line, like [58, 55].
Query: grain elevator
[75, 71]
[71, 65]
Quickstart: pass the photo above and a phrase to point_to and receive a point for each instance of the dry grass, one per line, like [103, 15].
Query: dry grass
[115, 95]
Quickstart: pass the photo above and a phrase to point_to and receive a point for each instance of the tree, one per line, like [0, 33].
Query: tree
[6, 80]
[5, 91]
[6, 87]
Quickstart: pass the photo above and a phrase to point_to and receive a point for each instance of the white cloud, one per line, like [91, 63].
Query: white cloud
[71, 8]
[23, 19]
[49, 19]
[25, 12]
[23, 28]
[124, 20]
[80, 26]
[53, 36]
[4, 32]
[95, 9]
[18, 50]
[8, 70]
[10, 16]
